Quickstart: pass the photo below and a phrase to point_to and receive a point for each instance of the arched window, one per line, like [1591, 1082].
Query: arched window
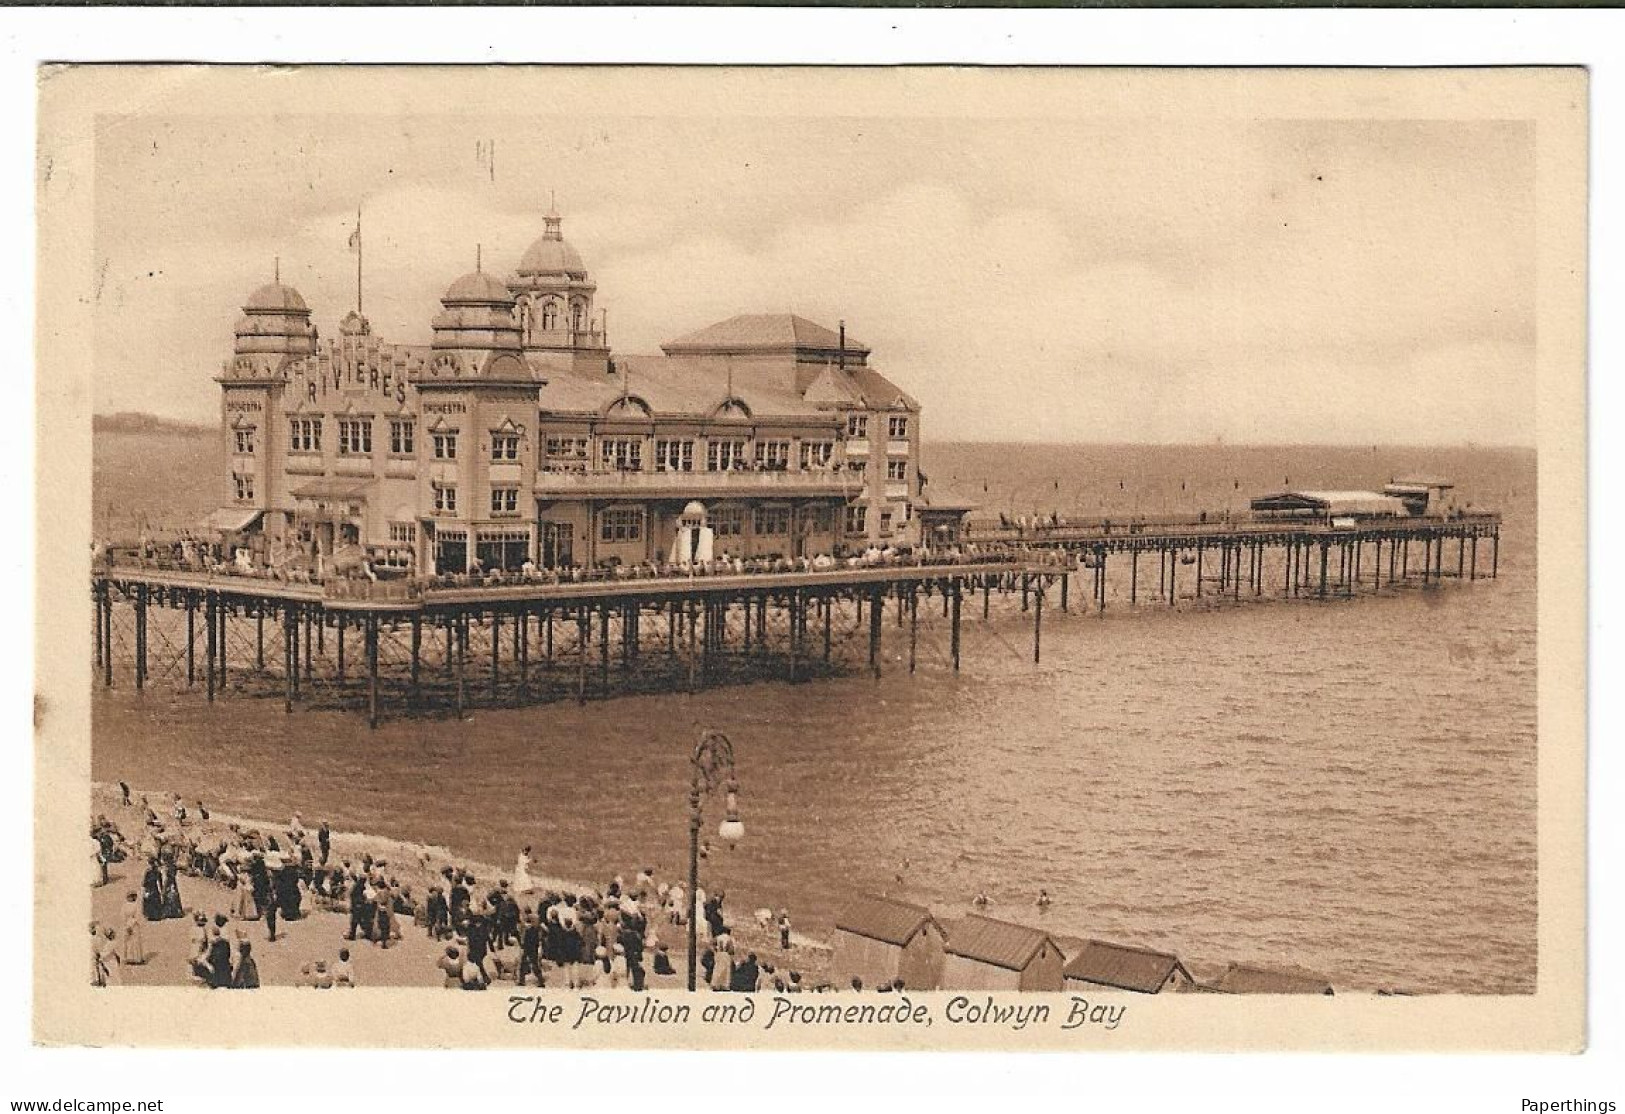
[550, 315]
[577, 311]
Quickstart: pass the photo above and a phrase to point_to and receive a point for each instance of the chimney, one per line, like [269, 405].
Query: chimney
[843, 345]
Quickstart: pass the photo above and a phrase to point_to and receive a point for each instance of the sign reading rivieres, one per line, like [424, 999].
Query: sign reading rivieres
[349, 376]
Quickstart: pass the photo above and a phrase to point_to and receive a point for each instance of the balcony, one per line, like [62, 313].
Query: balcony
[702, 485]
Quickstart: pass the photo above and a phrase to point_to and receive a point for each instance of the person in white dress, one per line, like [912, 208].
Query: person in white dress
[521, 873]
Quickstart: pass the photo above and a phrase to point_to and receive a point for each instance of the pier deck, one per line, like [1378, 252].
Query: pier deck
[442, 643]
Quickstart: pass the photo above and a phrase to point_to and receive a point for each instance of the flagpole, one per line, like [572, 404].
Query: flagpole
[358, 250]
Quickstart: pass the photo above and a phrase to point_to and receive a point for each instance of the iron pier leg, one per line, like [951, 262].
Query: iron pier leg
[459, 646]
[829, 610]
[191, 638]
[954, 624]
[913, 626]
[107, 635]
[583, 628]
[338, 645]
[522, 651]
[1198, 570]
[496, 652]
[1038, 617]
[297, 615]
[1376, 568]
[693, 656]
[259, 638]
[603, 642]
[289, 670]
[1235, 572]
[1473, 571]
[1173, 576]
[1100, 574]
[987, 595]
[417, 651]
[1134, 576]
[372, 670]
[1495, 553]
[1461, 555]
[1323, 549]
[210, 602]
[1065, 582]
[141, 637]
[874, 632]
[310, 664]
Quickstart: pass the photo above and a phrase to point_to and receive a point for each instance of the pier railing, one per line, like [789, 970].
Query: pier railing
[1075, 530]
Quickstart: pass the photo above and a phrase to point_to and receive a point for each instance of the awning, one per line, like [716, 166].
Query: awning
[343, 491]
[232, 520]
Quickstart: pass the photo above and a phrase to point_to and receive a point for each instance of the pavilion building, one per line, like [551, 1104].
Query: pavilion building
[516, 434]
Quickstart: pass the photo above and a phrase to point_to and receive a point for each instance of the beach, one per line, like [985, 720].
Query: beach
[318, 935]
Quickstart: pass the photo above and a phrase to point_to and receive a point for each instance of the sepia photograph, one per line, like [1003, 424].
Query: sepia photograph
[938, 557]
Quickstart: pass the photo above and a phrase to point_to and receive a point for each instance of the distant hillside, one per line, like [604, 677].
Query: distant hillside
[129, 422]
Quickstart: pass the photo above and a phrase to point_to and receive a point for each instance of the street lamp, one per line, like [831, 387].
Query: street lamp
[713, 755]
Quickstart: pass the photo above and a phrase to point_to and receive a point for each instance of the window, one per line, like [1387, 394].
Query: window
[723, 456]
[355, 436]
[403, 533]
[621, 524]
[567, 448]
[504, 446]
[773, 455]
[885, 524]
[245, 485]
[577, 315]
[857, 520]
[550, 315]
[897, 428]
[504, 500]
[857, 425]
[897, 470]
[771, 520]
[245, 440]
[727, 522]
[621, 454]
[817, 520]
[817, 454]
[305, 435]
[674, 456]
[858, 468]
[445, 499]
[445, 446]
[402, 436]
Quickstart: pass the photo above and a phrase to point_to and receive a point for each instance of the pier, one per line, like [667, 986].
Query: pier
[454, 643]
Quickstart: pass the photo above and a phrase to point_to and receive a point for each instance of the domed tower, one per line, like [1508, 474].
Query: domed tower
[274, 337]
[555, 302]
[477, 398]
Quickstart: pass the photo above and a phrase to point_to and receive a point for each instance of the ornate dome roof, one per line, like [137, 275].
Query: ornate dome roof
[479, 288]
[273, 297]
[552, 254]
[551, 257]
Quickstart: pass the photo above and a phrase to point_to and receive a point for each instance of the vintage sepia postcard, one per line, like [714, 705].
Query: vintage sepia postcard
[916, 558]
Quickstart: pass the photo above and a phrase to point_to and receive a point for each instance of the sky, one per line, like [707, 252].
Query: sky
[1099, 279]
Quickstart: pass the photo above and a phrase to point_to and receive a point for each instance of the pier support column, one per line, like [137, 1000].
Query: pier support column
[583, 631]
[309, 622]
[1473, 568]
[1173, 576]
[954, 623]
[223, 609]
[259, 637]
[372, 670]
[1376, 567]
[338, 645]
[1038, 617]
[210, 602]
[459, 646]
[141, 637]
[1323, 548]
[874, 631]
[987, 595]
[794, 604]
[417, 651]
[829, 612]
[296, 617]
[1065, 584]
[1134, 576]
[1198, 570]
[496, 652]
[521, 635]
[106, 604]
[693, 636]
[1495, 553]
[1461, 555]
[289, 670]
[913, 626]
[603, 643]
[191, 638]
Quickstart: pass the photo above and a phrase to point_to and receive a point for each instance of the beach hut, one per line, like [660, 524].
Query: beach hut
[1099, 966]
[878, 940]
[985, 954]
[1243, 978]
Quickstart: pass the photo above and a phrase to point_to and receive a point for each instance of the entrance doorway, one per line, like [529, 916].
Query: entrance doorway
[558, 545]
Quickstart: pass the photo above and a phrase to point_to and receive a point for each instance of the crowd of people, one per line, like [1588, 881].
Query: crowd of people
[507, 929]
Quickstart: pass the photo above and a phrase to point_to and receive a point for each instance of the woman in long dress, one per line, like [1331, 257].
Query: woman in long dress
[135, 945]
[521, 873]
[108, 959]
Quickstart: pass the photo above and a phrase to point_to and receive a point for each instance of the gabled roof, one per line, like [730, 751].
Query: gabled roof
[1011, 946]
[1122, 966]
[769, 332]
[691, 388]
[875, 390]
[1242, 978]
[882, 918]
